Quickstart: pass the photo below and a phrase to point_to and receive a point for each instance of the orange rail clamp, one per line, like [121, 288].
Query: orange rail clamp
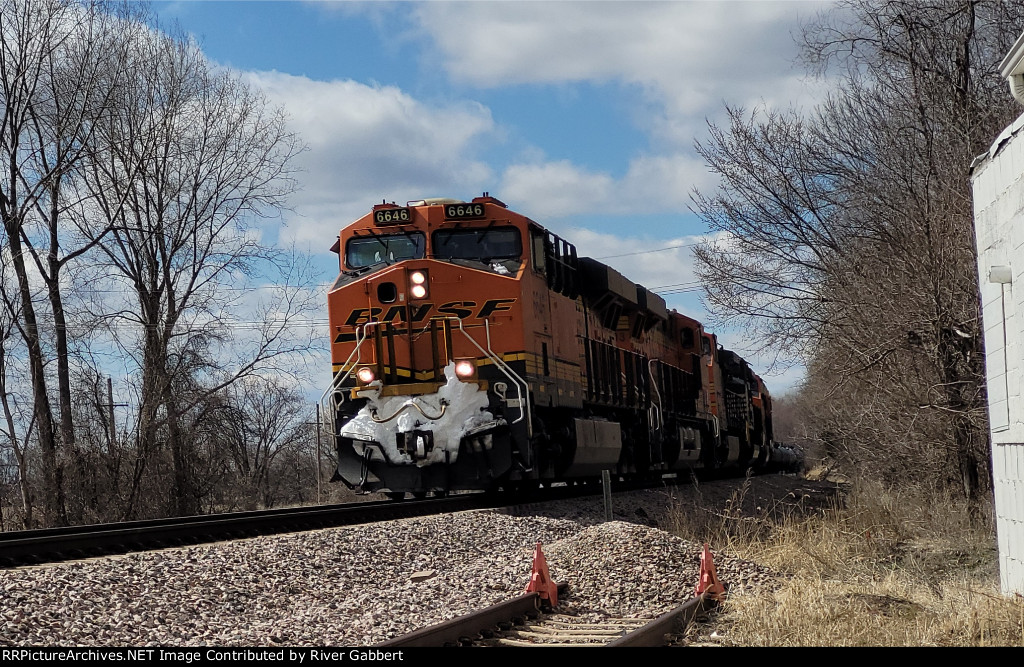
[540, 580]
[709, 582]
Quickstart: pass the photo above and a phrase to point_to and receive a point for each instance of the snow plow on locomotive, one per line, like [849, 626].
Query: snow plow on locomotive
[473, 349]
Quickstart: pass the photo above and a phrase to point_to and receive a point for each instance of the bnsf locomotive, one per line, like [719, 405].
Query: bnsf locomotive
[473, 349]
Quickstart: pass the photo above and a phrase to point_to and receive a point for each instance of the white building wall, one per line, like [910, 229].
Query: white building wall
[998, 183]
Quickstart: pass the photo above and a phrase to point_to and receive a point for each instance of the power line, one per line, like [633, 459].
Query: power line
[684, 290]
[645, 252]
[690, 283]
[131, 290]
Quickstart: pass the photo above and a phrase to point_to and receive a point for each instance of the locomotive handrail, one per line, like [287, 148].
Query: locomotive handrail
[655, 409]
[340, 378]
[524, 412]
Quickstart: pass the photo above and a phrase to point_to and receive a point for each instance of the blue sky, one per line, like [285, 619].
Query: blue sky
[582, 115]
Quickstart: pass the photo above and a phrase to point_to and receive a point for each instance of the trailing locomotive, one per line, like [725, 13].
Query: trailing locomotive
[474, 349]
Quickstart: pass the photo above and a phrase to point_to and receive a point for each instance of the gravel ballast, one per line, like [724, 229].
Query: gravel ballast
[357, 586]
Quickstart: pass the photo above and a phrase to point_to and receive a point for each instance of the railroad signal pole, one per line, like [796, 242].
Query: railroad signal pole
[317, 453]
[606, 483]
[109, 405]
[110, 410]
[316, 457]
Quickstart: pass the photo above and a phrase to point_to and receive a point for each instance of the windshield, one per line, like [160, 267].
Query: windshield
[363, 251]
[480, 244]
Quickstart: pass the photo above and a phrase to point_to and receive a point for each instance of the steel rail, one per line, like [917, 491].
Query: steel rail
[469, 626]
[480, 627]
[57, 544]
[28, 547]
[674, 621]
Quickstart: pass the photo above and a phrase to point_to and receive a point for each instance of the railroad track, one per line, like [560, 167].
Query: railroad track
[29, 547]
[33, 547]
[523, 622]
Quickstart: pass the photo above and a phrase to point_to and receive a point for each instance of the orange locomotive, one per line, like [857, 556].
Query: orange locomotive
[473, 349]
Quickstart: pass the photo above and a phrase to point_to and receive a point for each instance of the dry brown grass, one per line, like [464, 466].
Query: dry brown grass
[881, 567]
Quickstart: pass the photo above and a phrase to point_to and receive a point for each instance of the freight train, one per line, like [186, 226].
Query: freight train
[474, 349]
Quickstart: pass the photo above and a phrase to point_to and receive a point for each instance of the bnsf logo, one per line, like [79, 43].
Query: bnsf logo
[419, 312]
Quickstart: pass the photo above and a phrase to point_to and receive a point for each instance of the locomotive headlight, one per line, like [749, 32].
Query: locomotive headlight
[418, 284]
[366, 375]
[465, 369]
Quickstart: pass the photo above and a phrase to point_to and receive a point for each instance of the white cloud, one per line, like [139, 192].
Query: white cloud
[367, 143]
[687, 56]
[679, 60]
[678, 63]
[489, 43]
[555, 189]
[652, 184]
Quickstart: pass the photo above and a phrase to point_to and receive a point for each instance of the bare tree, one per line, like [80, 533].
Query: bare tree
[188, 160]
[132, 167]
[14, 437]
[60, 65]
[845, 235]
[261, 422]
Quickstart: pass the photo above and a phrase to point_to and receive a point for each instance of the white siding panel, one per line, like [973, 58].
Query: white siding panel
[1000, 415]
[1011, 520]
[999, 231]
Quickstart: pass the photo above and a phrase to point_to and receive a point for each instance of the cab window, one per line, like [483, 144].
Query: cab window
[363, 251]
[485, 245]
[687, 338]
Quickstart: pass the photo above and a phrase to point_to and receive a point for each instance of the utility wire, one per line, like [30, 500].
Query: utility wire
[646, 252]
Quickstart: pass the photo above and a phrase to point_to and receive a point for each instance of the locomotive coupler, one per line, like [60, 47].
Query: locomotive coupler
[416, 443]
